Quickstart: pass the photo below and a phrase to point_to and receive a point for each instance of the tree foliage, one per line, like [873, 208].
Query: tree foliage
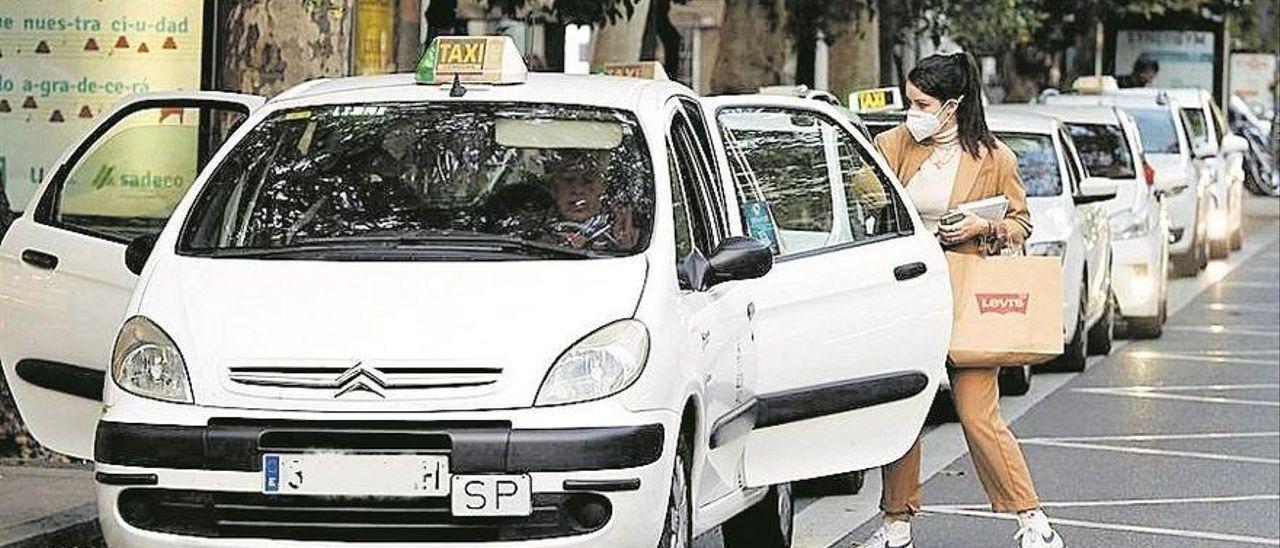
[572, 12]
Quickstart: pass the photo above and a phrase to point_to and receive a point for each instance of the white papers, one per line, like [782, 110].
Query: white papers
[991, 209]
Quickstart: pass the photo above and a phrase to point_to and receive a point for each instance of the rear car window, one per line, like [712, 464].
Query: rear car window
[408, 181]
[1104, 149]
[1159, 135]
[1037, 163]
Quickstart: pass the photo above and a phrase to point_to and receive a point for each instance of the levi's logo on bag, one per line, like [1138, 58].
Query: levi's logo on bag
[1003, 303]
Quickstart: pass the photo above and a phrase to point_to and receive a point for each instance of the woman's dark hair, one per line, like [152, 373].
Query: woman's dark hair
[947, 77]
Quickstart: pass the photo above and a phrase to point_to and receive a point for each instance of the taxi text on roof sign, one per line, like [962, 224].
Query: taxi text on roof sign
[877, 99]
[647, 70]
[473, 60]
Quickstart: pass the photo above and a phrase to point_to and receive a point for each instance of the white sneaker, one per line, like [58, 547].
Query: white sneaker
[1034, 531]
[894, 534]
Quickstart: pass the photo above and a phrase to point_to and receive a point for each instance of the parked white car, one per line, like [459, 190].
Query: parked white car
[1182, 181]
[519, 310]
[1070, 222]
[1110, 146]
[1223, 153]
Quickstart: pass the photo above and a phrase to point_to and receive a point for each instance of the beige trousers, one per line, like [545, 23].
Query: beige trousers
[1001, 467]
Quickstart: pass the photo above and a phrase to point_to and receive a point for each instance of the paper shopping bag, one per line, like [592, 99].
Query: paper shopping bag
[1008, 310]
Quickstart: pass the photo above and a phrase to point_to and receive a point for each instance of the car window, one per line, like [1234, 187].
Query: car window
[874, 207]
[1074, 170]
[1197, 126]
[422, 181]
[1156, 126]
[679, 208]
[1104, 150]
[127, 183]
[1037, 162]
[785, 168]
[693, 190]
[706, 166]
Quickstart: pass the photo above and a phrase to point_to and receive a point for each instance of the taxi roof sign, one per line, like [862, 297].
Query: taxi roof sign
[876, 100]
[1093, 85]
[472, 60]
[645, 70]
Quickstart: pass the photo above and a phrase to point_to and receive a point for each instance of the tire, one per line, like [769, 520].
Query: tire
[677, 528]
[1015, 381]
[1202, 252]
[1073, 358]
[848, 483]
[1237, 238]
[1103, 332]
[767, 524]
[943, 409]
[1186, 266]
[1220, 249]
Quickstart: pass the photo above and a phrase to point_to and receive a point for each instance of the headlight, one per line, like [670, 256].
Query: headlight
[1047, 249]
[147, 363]
[602, 364]
[1127, 225]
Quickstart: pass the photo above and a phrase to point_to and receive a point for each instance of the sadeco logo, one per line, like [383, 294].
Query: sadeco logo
[1003, 303]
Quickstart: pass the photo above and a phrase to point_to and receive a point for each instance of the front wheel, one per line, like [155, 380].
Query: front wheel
[767, 524]
[677, 530]
[1015, 381]
[1103, 332]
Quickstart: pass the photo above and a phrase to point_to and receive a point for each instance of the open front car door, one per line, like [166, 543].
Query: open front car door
[854, 320]
[64, 286]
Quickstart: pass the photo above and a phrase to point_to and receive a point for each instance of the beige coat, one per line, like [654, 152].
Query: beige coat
[993, 173]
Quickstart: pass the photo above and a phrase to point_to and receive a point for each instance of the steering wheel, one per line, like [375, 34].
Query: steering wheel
[602, 234]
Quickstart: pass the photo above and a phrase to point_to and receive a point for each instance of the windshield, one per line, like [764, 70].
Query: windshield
[1159, 135]
[1196, 126]
[1037, 163]
[1104, 150]
[392, 181]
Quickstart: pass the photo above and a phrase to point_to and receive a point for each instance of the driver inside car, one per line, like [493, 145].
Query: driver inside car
[577, 183]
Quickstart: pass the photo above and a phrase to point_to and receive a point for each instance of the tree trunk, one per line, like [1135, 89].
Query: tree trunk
[620, 43]
[854, 57]
[269, 45]
[753, 46]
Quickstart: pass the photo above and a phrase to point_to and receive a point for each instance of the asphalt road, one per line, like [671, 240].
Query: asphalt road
[1167, 442]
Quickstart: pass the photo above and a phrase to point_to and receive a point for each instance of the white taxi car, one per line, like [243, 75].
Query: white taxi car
[1109, 145]
[1182, 181]
[522, 310]
[1071, 223]
[1223, 154]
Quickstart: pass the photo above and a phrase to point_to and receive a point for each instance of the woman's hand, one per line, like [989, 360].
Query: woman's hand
[972, 226]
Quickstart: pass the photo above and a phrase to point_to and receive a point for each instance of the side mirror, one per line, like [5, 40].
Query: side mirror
[1234, 144]
[1096, 189]
[136, 254]
[738, 258]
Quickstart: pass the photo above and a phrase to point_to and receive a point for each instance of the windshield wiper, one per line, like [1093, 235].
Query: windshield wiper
[455, 239]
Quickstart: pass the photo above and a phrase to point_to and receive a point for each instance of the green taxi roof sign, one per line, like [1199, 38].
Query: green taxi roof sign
[472, 60]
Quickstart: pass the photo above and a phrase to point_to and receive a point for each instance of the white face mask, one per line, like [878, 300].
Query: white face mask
[924, 125]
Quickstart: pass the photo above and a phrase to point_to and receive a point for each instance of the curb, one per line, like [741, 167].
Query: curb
[75, 527]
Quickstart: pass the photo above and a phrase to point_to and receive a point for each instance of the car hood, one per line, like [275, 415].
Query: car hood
[1051, 219]
[382, 336]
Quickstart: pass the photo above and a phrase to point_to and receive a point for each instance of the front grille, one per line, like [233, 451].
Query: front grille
[358, 380]
[219, 514]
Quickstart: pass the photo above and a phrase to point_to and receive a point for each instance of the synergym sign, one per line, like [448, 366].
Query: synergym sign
[64, 64]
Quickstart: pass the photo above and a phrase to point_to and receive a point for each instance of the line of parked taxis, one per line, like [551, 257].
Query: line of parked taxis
[475, 304]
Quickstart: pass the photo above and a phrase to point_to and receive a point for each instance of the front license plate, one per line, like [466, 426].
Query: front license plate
[356, 475]
[492, 495]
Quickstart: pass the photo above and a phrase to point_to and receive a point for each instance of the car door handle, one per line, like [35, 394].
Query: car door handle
[39, 259]
[909, 271]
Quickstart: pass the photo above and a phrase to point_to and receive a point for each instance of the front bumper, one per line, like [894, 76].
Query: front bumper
[172, 485]
[1182, 221]
[1137, 275]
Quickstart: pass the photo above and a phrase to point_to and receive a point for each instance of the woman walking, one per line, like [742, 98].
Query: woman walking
[945, 156]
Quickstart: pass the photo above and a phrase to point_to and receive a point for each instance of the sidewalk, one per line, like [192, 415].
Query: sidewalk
[46, 507]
